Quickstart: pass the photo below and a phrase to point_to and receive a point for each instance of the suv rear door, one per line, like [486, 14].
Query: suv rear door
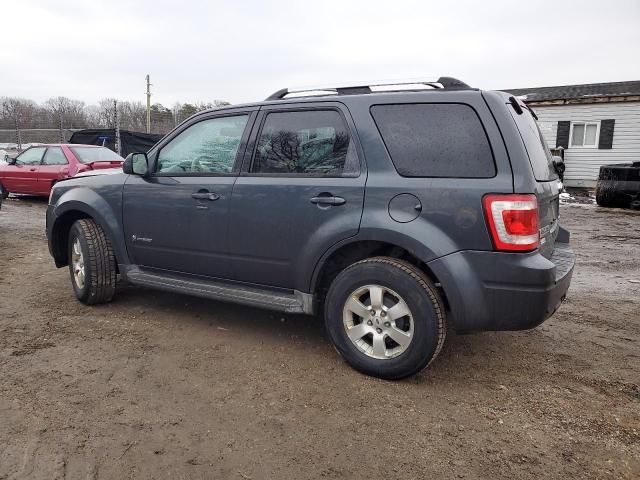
[176, 218]
[301, 190]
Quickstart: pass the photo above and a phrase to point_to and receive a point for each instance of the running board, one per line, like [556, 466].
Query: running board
[296, 302]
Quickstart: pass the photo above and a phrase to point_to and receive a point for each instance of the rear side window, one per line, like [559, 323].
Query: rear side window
[54, 156]
[308, 143]
[435, 140]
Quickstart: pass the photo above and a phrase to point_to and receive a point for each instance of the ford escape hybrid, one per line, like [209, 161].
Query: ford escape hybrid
[390, 211]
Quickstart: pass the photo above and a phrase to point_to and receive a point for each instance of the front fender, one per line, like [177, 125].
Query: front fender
[104, 207]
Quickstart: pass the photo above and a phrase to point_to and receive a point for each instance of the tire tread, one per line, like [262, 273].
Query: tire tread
[102, 263]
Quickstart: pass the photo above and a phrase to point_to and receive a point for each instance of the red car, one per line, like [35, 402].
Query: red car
[36, 169]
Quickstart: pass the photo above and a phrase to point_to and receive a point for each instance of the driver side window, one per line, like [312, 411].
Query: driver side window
[31, 156]
[207, 147]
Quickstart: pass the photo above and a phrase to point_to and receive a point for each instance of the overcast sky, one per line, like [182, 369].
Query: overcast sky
[244, 50]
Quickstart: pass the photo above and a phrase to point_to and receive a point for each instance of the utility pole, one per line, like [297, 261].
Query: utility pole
[62, 139]
[18, 136]
[117, 119]
[148, 105]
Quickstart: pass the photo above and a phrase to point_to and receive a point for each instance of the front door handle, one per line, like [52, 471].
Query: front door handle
[327, 200]
[205, 196]
[32, 169]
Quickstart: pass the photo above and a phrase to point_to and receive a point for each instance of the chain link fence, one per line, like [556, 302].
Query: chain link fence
[24, 122]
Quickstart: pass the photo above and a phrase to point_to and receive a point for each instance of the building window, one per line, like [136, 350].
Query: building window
[584, 134]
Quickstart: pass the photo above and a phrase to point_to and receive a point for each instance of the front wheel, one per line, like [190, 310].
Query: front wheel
[92, 264]
[385, 318]
[4, 193]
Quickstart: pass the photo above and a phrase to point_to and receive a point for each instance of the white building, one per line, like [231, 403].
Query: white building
[597, 124]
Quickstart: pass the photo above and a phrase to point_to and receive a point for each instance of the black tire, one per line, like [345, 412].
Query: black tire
[605, 196]
[3, 193]
[422, 299]
[99, 263]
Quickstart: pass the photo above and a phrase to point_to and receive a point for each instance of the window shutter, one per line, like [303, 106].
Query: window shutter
[562, 135]
[606, 134]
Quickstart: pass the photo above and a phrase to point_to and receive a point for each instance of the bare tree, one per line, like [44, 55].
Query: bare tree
[66, 111]
[106, 113]
[20, 110]
[133, 115]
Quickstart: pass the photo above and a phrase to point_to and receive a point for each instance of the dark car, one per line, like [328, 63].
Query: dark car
[38, 168]
[389, 213]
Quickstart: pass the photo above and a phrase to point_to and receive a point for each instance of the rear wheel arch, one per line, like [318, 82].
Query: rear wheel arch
[353, 252]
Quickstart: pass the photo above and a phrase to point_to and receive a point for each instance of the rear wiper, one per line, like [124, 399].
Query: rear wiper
[533, 114]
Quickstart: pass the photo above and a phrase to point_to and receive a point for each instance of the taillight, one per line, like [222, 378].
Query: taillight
[512, 221]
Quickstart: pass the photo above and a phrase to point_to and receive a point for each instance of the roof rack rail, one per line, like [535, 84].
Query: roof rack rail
[443, 83]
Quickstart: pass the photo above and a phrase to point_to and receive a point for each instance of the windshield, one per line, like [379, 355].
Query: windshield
[95, 154]
[535, 144]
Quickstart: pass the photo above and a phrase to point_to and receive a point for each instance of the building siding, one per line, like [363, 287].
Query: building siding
[583, 164]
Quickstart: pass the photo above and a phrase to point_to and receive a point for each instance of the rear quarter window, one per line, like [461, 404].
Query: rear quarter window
[435, 140]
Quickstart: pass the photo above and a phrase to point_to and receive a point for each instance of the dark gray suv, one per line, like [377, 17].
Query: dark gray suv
[391, 213]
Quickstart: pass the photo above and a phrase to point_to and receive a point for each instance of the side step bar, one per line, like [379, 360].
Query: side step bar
[296, 302]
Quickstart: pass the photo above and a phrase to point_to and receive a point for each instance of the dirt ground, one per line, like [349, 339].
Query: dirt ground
[156, 385]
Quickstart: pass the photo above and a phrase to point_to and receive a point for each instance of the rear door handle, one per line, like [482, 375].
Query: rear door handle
[205, 196]
[321, 200]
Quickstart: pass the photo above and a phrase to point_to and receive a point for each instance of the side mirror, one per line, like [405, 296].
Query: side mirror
[10, 160]
[136, 164]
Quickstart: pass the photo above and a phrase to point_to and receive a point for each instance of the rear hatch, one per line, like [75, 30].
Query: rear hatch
[548, 185]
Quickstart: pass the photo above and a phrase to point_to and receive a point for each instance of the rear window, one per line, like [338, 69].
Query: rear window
[95, 154]
[435, 140]
[537, 149]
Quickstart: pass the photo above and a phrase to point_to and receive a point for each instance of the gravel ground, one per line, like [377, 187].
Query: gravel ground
[156, 385]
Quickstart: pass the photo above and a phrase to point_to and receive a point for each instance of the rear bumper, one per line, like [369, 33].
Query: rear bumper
[504, 291]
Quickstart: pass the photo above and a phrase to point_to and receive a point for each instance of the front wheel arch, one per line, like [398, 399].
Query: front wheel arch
[60, 235]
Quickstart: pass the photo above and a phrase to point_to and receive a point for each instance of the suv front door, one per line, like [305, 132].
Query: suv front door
[300, 192]
[176, 217]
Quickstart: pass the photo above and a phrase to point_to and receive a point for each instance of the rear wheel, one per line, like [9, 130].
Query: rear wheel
[92, 264]
[385, 318]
